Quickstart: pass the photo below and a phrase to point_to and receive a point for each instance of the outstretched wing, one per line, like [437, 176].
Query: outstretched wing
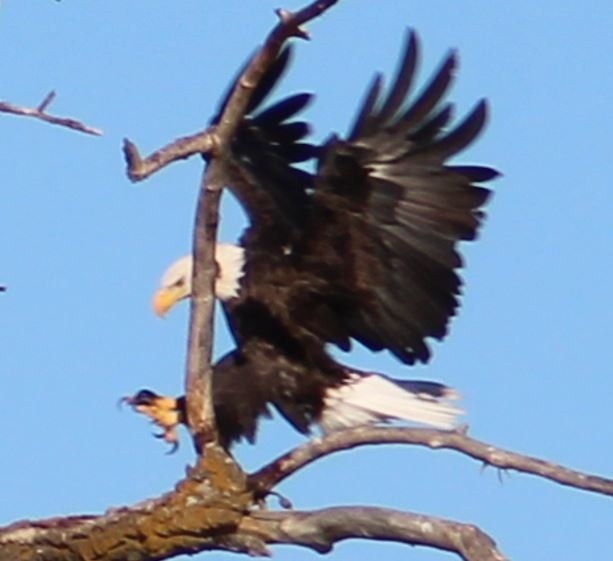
[266, 147]
[401, 210]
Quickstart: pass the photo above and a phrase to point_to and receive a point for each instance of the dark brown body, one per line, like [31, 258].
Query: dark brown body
[365, 248]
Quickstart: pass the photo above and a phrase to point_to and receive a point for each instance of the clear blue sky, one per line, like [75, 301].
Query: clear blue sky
[81, 250]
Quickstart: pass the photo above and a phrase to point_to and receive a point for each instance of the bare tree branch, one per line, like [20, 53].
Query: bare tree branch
[270, 475]
[40, 113]
[202, 513]
[180, 149]
[200, 414]
[195, 518]
[321, 529]
[212, 512]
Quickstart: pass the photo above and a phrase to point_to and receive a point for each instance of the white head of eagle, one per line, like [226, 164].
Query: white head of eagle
[176, 282]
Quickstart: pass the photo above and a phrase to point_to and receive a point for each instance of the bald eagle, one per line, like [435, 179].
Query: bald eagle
[365, 248]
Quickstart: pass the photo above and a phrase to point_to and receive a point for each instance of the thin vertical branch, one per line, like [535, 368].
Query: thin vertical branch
[198, 383]
[200, 414]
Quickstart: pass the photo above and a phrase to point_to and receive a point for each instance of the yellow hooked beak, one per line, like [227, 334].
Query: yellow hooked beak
[165, 298]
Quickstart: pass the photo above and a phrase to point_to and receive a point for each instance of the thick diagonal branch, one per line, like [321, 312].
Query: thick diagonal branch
[270, 475]
[199, 514]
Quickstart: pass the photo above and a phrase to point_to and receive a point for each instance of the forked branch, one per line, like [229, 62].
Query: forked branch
[40, 113]
[212, 140]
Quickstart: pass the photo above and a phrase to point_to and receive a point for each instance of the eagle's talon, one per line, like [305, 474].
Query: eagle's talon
[165, 412]
[173, 448]
[123, 400]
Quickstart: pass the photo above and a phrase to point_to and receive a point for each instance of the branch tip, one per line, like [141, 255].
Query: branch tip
[133, 159]
[47, 101]
[287, 18]
[266, 478]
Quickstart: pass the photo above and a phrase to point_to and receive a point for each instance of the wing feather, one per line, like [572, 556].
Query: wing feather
[372, 240]
[403, 208]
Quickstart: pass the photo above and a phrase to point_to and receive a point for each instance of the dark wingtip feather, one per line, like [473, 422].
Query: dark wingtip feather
[270, 78]
[295, 131]
[297, 152]
[369, 116]
[476, 174]
[434, 125]
[464, 134]
[284, 109]
[402, 80]
[367, 107]
[264, 87]
[432, 93]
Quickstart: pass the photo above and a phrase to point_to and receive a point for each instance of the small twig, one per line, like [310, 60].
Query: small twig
[180, 149]
[40, 113]
[270, 475]
[47, 101]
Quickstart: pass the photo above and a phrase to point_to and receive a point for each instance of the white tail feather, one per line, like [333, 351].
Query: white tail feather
[371, 398]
